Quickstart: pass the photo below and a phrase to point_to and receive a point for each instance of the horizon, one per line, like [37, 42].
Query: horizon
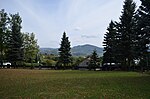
[76, 46]
[85, 22]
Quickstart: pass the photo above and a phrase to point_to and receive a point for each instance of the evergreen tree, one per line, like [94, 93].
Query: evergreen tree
[94, 61]
[110, 44]
[3, 34]
[126, 31]
[64, 52]
[143, 30]
[15, 50]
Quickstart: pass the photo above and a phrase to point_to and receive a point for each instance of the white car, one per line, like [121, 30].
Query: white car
[7, 63]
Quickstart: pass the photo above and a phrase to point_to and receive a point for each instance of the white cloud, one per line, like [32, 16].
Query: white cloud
[88, 36]
[77, 29]
[85, 21]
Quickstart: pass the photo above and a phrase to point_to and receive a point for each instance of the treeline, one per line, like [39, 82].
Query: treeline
[16, 47]
[126, 42]
[21, 49]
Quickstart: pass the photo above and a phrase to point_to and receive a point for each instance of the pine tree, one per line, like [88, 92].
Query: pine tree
[64, 52]
[143, 30]
[94, 61]
[15, 50]
[110, 44]
[126, 30]
[3, 34]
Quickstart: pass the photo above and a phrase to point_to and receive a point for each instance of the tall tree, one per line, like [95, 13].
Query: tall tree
[126, 29]
[64, 51]
[110, 44]
[3, 35]
[30, 46]
[94, 61]
[143, 30]
[15, 50]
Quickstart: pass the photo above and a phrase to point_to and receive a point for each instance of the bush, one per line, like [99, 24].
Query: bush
[50, 62]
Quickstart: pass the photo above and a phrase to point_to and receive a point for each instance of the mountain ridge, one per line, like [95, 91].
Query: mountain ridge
[79, 50]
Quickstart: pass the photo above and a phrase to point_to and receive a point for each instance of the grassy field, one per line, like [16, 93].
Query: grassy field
[49, 84]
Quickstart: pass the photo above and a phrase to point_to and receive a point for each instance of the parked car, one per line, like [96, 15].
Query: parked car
[7, 63]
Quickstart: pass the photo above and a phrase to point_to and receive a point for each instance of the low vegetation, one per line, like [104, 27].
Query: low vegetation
[59, 84]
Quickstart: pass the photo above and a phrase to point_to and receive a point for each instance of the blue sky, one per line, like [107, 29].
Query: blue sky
[84, 21]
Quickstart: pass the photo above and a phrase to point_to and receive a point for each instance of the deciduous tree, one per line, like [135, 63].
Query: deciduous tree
[30, 47]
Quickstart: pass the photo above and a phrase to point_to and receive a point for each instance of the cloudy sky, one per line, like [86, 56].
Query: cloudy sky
[84, 21]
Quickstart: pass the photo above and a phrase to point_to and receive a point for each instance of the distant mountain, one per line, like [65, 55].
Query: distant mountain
[84, 50]
[49, 51]
[80, 50]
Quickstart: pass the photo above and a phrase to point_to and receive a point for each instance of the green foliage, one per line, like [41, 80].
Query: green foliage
[3, 34]
[30, 47]
[31, 64]
[126, 29]
[94, 61]
[121, 39]
[48, 60]
[143, 29]
[64, 51]
[110, 44]
[76, 61]
[15, 46]
[15, 43]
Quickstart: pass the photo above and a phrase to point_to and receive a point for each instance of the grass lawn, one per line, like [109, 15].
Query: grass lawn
[50, 84]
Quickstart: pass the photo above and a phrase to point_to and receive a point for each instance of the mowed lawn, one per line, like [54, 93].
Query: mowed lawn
[67, 84]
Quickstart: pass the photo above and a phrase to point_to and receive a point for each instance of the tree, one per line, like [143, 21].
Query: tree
[94, 61]
[3, 35]
[15, 43]
[110, 44]
[76, 61]
[143, 30]
[126, 30]
[30, 47]
[64, 52]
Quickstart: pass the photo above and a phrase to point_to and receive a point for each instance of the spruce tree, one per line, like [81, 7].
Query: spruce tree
[126, 30]
[64, 52]
[3, 34]
[110, 44]
[143, 30]
[15, 50]
[94, 61]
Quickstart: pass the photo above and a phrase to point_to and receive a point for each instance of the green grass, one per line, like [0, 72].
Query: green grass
[49, 84]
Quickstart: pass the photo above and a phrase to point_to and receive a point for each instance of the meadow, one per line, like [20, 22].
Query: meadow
[68, 84]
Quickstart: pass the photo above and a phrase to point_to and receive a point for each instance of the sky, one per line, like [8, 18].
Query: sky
[84, 21]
